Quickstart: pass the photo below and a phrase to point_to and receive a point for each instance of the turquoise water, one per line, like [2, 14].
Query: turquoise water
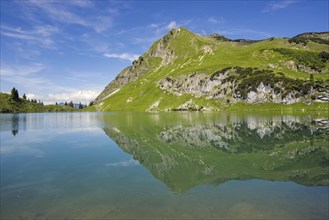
[166, 165]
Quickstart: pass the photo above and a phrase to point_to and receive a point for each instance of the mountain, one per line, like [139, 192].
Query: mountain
[184, 150]
[187, 71]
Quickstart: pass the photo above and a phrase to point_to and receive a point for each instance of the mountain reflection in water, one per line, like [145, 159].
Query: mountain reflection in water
[184, 150]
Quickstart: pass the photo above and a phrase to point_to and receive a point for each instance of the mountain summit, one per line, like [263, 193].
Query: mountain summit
[187, 71]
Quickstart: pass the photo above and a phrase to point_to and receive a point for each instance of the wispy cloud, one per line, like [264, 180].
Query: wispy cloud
[82, 3]
[64, 14]
[172, 25]
[274, 6]
[152, 32]
[21, 70]
[214, 20]
[124, 56]
[41, 35]
[164, 27]
[25, 75]
[57, 12]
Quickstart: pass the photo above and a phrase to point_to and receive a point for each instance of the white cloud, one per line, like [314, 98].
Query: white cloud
[124, 56]
[83, 96]
[278, 5]
[214, 20]
[172, 25]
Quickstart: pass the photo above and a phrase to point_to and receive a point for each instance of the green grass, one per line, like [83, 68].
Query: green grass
[190, 58]
[296, 107]
[8, 105]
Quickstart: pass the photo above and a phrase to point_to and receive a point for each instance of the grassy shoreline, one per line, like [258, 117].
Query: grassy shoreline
[243, 107]
[296, 107]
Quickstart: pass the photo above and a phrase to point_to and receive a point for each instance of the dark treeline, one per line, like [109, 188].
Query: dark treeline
[15, 98]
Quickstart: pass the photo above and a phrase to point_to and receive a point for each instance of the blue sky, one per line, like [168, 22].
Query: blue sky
[70, 50]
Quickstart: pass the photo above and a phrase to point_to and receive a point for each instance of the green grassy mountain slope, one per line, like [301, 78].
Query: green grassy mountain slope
[8, 105]
[187, 71]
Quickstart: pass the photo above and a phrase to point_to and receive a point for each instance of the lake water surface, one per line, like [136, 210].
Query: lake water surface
[164, 166]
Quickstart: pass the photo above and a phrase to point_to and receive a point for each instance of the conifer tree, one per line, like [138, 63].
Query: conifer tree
[14, 94]
[71, 104]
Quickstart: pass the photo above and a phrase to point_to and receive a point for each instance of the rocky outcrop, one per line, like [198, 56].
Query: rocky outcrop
[324, 97]
[236, 84]
[198, 85]
[163, 50]
[292, 65]
[321, 35]
[262, 94]
[129, 74]
[189, 106]
[140, 66]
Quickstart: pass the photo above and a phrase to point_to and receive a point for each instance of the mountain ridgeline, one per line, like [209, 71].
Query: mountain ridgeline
[186, 72]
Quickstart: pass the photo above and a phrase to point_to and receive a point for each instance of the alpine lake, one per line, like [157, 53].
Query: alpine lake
[174, 165]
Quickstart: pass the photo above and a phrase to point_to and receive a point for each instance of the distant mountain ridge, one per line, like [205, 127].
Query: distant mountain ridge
[187, 71]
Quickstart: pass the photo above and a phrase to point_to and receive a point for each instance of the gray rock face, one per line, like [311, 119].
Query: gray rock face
[189, 106]
[126, 76]
[290, 99]
[218, 87]
[262, 94]
[164, 52]
[322, 35]
[324, 97]
[198, 85]
[298, 67]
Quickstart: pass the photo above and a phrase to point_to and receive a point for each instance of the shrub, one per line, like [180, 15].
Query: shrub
[314, 60]
[298, 40]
